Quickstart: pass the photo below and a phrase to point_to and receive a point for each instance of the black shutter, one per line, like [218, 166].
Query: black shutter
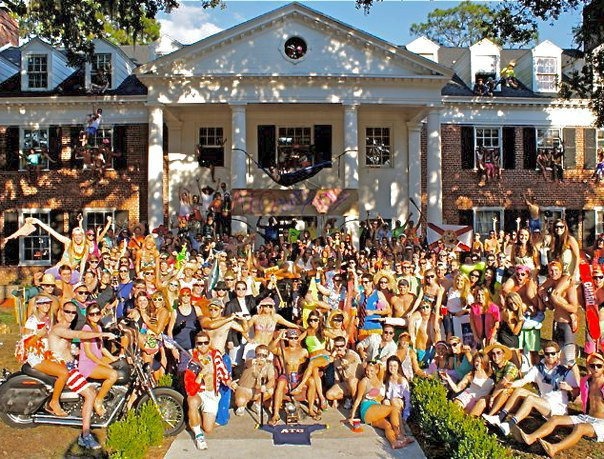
[589, 161]
[509, 220]
[466, 217]
[573, 218]
[267, 143]
[589, 228]
[12, 149]
[570, 148]
[54, 147]
[11, 249]
[509, 147]
[467, 147]
[74, 144]
[57, 222]
[322, 142]
[120, 146]
[529, 143]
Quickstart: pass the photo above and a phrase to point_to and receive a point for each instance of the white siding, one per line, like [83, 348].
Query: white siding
[58, 70]
[121, 65]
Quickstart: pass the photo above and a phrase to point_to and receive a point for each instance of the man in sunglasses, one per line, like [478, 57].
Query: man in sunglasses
[589, 424]
[59, 344]
[554, 382]
[378, 347]
[202, 379]
[257, 382]
[347, 372]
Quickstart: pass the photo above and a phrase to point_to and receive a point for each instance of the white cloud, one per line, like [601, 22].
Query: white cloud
[188, 24]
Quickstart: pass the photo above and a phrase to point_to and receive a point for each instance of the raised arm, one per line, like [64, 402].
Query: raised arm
[52, 232]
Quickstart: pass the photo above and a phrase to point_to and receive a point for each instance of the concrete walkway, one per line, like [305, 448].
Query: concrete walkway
[240, 439]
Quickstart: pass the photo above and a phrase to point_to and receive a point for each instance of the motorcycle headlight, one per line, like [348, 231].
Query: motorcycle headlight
[147, 367]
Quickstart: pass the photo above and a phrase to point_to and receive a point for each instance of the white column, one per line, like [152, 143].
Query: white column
[238, 160]
[434, 173]
[155, 168]
[351, 146]
[414, 133]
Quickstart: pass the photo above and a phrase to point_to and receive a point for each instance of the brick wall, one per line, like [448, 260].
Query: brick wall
[461, 190]
[72, 190]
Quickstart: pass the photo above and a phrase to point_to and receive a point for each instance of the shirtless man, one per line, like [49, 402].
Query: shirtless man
[257, 382]
[559, 293]
[590, 424]
[46, 289]
[491, 244]
[347, 370]
[534, 212]
[441, 276]
[59, 344]
[403, 301]
[218, 327]
[293, 356]
[523, 284]
[424, 332]
[202, 379]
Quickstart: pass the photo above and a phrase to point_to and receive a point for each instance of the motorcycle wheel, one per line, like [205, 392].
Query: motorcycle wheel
[17, 421]
[171, 408]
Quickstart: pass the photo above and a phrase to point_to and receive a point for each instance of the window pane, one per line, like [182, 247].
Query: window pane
[483, 221]
[377, 147]
[35, 142]
[36, 246]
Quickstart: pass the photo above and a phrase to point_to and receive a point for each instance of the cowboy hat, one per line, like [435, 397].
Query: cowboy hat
[391, 280]
[48, 279]
[507, 352]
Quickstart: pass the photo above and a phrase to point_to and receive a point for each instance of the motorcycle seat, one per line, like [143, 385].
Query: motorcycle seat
[29, 371]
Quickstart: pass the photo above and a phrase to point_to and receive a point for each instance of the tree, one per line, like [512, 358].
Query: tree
[74, 23]
[460, 26]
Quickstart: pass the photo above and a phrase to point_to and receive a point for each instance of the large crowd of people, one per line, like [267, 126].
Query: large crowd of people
[279, 316]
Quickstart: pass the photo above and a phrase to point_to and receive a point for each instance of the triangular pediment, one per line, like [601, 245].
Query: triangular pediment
[325, 47]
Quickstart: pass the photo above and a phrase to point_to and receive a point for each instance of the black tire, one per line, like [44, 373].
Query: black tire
[171, 408]
[17, 421]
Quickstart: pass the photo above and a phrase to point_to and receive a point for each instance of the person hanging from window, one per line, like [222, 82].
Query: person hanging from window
[481, 153]
[480, 88]
[558, 163]
[598, 174]
[33, 161]
[93, 124]
[544, 161]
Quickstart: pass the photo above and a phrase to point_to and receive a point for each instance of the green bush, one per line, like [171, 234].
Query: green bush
[443, 422]
[165, 380]
[131, 437]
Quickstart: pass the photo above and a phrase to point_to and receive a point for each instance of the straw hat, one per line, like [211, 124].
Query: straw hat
[48, 279]
[391, 280]
[507, 352]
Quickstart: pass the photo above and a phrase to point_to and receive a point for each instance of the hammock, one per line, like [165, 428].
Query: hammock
[290, 178]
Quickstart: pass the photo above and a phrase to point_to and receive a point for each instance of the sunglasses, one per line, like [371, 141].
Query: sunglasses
[270, 306]
[340, 346]
[70, 311]
[158, 299]
[388, 333]
[149, 274]
[497, 353]
[453, 344]
[202, 343]
[366, 282]
[559, 227]
[173, 285]
[261, 356]
[313, 320]
[431, 276]
[337, 319]
[94, 313]
[82, 292]
[96, 262]
[241, 289]
[550, 354]
[221, 289]
[123, 270]
[383, 282]
[595, 366]
[521, 274]
[598, 277]
[474, 275]
[228, 279]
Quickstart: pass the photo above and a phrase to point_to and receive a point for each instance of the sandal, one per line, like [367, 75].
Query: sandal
[99, 408]
[315, 415]
[274, 421]
[58, 412]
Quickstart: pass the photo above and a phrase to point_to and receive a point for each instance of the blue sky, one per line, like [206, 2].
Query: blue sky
[389, 20]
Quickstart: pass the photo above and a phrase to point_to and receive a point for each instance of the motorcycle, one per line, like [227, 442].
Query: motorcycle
[23, 395]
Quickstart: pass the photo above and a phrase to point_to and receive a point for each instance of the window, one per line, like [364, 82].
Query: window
[549, 137]
[97, 218]
[37, 140]
[600, 139]
[103, 138]
[100, 73]
[37, 71]
[546, 74]
[483, 220]
[550, 214]
[490, 139]
[294, 148]
[211, 146]
[599, 223]
[295, 48]
[486, 67]
[378, 147]
[35, 247]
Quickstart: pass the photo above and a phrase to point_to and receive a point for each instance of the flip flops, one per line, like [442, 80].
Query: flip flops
[60, 413]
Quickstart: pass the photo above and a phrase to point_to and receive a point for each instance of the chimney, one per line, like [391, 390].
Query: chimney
[9, 28]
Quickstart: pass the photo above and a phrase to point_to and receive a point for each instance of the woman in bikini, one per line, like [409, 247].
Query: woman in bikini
[370, 394]
[147, 258]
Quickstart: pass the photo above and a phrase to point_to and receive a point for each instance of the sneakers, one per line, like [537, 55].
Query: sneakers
[256, 408]
[347, 404]
[240, 411]
[200, 442]
[493, 420]
[88, 441]
[505, 428]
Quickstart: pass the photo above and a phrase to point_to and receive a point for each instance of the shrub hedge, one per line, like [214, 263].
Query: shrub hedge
[445, 424]
[131, 437]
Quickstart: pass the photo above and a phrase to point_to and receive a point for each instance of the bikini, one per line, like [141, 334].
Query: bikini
[369, 400]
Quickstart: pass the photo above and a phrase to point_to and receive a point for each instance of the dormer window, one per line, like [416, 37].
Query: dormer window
[37, 71]
[101, 70]
[486, 67]
[546, 74]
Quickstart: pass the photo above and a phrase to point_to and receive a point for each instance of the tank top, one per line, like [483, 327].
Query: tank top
[185, 328]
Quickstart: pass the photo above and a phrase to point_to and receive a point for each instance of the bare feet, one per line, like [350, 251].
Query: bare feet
[398, 444]
[274, 421]
[315, 415]
[549, 449]
[524, 436]
[574, 324]
[99, 408]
